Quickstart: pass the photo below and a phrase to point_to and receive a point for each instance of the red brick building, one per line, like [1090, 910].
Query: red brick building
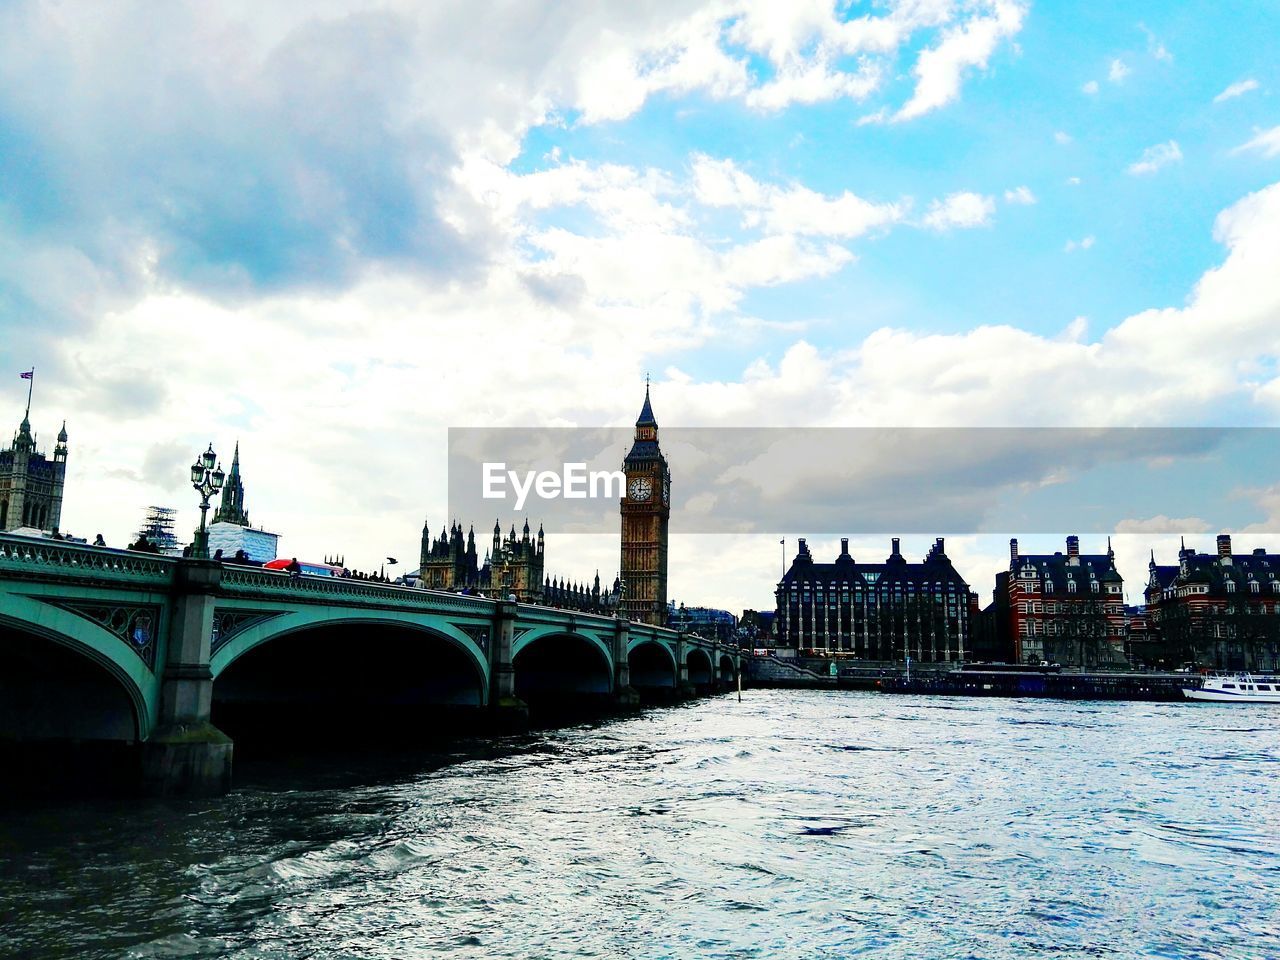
[1066, 608]
[1218, 610]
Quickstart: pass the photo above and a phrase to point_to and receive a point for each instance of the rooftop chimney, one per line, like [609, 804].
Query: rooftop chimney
[1224, 544]
[1013, 549]
[844, 546]
[897, 542]
[1073, 546]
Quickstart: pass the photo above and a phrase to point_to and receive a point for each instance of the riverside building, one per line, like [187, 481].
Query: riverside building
[1066, 608]
[1220, 609]
[875, 611]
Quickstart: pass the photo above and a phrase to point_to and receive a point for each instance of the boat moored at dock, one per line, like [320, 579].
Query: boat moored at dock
[1235, 688]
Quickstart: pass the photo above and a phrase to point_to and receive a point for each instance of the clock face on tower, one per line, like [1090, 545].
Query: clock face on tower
[640, 489]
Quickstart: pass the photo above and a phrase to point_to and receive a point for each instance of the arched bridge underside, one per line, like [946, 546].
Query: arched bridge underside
[111, 647]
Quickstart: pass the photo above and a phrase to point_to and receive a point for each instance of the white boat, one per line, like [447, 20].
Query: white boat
[1236, 688]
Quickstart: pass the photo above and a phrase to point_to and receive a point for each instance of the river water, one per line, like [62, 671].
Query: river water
[795, 824]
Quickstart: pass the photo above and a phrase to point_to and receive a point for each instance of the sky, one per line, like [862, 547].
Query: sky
[333, 230]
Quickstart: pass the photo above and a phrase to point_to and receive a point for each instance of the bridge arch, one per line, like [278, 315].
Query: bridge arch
[552, 663]
[728, 669]
[653, 666]
[63, 676]
[698, 663]
[275, 627]
[323, 676]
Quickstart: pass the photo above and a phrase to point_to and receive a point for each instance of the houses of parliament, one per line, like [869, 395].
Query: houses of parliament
[31, 484]
[514, 565]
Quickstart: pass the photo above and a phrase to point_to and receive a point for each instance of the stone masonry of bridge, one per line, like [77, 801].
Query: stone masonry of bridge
[110, 645]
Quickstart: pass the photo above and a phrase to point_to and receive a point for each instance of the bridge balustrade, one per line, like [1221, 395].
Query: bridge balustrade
[252, 580]
[27, 556]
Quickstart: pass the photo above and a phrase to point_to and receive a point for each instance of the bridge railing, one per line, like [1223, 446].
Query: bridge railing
[537, 613]
[249, 581]
[32, 557]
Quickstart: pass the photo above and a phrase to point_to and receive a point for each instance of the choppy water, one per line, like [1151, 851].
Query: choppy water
[793, 825]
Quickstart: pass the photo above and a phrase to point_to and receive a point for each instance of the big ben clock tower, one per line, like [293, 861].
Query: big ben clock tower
[646, 508]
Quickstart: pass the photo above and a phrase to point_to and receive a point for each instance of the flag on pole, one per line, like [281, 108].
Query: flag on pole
[27, 375]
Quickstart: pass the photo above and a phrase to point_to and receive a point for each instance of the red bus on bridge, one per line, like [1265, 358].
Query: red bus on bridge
[310, 569]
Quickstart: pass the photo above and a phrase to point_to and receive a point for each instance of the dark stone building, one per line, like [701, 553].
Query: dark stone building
[875, 611]
[31, 485]
[231, 508]
[704, 621]
[646, 512]
[991, 641]
[1217, 610]
[230, 531]
[514, 565]
[449, 562]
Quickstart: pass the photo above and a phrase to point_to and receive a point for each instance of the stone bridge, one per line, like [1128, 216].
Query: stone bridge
[102, 645]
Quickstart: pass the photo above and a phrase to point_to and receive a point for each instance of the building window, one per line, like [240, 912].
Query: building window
[1071, 586]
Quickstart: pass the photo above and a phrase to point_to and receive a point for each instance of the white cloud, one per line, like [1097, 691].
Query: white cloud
[1019, 195]
[781, 259]
[1073, 181]
[1155, 157]
[1075, 331]
[809, 51]
[939, 69]
[1237, 89]
[1118, 71]
[815, 81]
[1265, 142]
[1162, 524]
[793, 209]
[1155, 47]
[961, 210]
[1090, 87]
[1083, 244]
[1062, 138]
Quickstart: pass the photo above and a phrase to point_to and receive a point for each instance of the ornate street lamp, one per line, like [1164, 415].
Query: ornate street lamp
[206, 478]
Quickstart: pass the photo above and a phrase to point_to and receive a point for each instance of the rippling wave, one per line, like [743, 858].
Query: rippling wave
[792, 825]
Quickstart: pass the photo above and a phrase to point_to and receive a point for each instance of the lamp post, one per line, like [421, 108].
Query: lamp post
[206, 478]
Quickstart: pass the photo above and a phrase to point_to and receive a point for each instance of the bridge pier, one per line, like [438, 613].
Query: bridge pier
[510, 713]
[185, 753]
[684, 689]
[625, 696]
